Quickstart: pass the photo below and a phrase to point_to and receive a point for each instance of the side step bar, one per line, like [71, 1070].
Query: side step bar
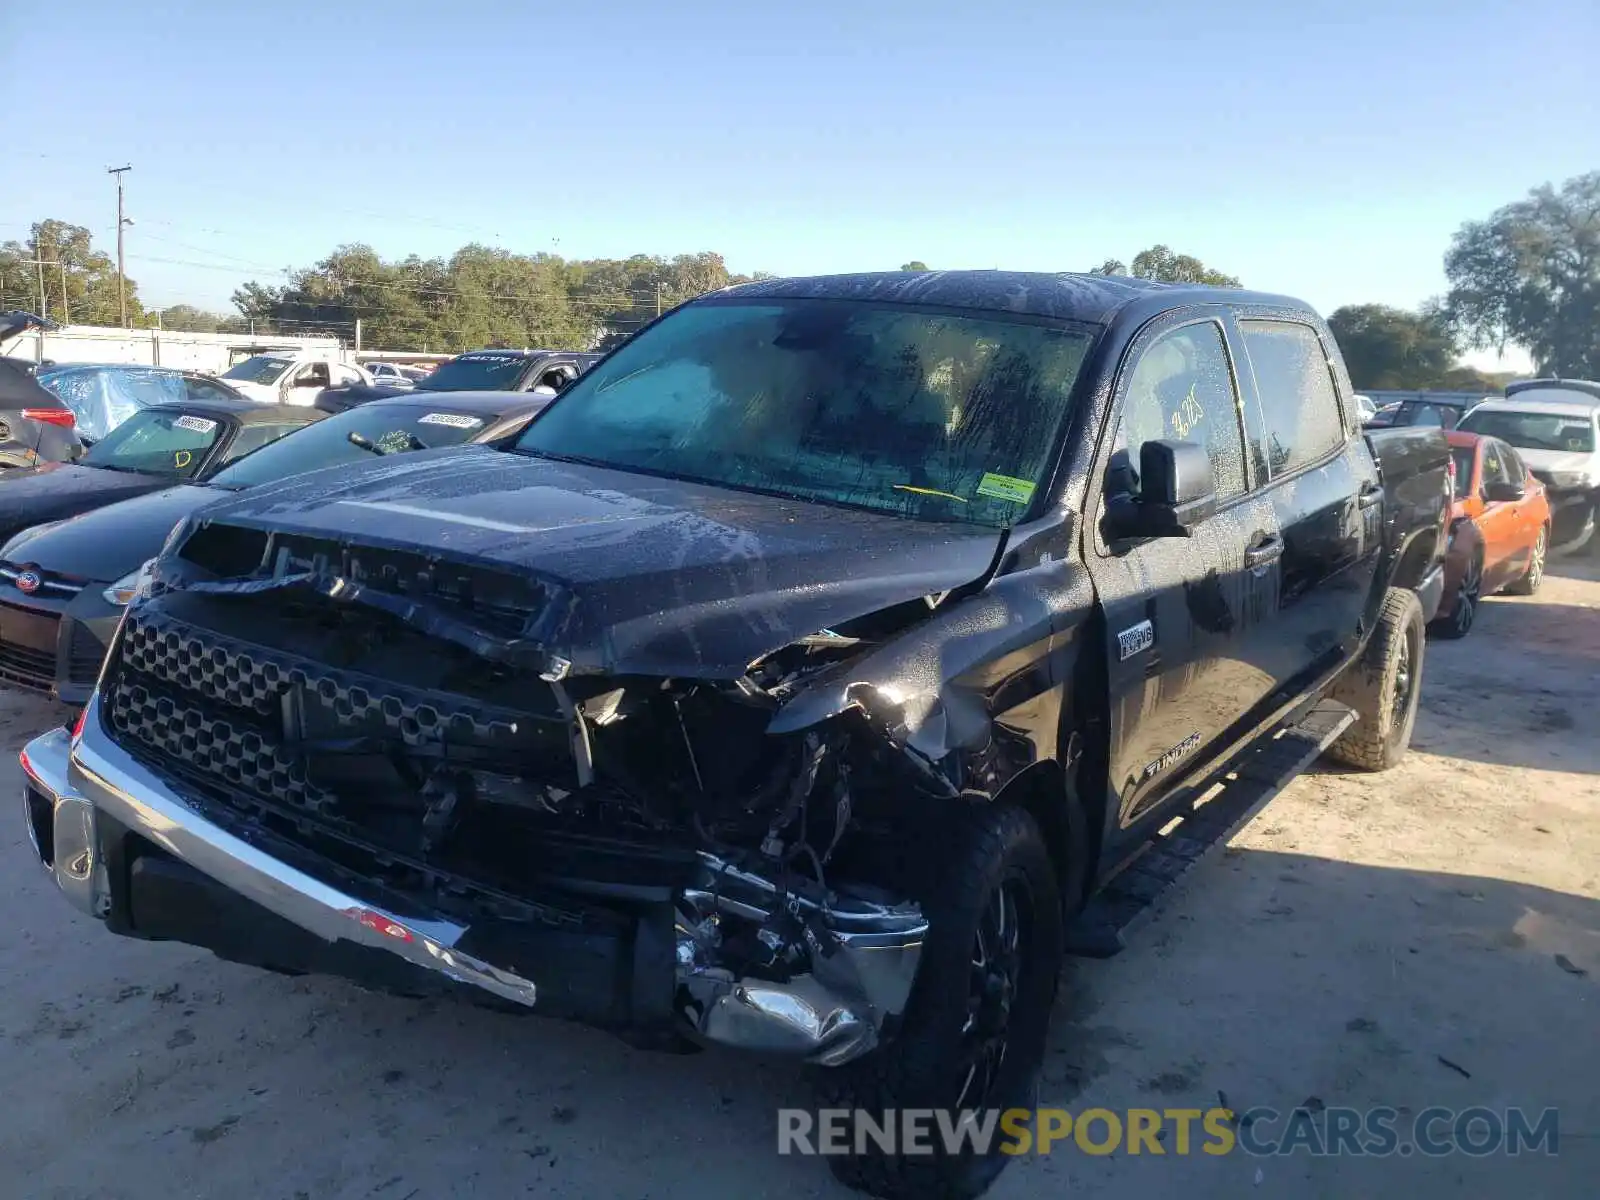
[1127, 899]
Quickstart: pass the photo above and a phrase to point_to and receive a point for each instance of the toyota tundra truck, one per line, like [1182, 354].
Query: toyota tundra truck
[791, 683]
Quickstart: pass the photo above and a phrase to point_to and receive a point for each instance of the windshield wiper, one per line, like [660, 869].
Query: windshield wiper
[575, 458]
[366, 443]
[926, 491]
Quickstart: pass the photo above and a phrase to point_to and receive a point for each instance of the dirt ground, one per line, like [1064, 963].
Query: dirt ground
[1365, 940]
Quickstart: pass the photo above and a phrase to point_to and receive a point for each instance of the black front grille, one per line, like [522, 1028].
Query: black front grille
[231, 750]
[26, 666]
[277, 727]
[243, 676]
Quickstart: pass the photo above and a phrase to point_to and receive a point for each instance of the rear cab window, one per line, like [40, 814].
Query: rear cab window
[1300, 419]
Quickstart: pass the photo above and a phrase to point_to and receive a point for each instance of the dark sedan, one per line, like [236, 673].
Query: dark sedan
[63, 586]
[151, 450]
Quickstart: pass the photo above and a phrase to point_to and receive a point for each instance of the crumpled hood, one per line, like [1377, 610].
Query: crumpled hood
[110, 542]
[643, 575]
[34, 495]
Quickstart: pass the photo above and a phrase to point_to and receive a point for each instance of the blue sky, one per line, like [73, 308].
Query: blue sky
[1323, 149]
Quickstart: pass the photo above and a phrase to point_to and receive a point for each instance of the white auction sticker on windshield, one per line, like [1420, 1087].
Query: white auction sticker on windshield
[454, 420]
[195, 424]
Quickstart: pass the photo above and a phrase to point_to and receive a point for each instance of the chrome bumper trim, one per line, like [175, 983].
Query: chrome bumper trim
[74, 846]
[115, 783]
[829, 1015]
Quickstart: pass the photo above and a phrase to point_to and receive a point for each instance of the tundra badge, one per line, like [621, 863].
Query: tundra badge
[1135, 640]
[1184, 747]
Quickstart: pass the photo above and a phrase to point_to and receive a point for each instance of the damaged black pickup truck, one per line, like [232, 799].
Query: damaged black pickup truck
[788, 684]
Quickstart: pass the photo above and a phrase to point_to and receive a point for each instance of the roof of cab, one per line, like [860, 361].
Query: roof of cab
[1065, 296]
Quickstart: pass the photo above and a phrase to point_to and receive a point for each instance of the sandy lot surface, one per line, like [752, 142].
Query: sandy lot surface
[1356, 938]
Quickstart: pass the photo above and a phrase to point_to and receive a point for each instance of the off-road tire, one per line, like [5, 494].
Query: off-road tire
[1528, 582]
[1380, 738]
[920, 1067]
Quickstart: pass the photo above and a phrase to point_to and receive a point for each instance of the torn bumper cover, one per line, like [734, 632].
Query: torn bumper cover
[113, 832]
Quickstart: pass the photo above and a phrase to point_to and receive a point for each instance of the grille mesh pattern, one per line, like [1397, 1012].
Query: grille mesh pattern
[236, 753]
[248, 677]
[212, 667]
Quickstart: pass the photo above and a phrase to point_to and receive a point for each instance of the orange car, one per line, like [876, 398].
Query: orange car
[1499, 530]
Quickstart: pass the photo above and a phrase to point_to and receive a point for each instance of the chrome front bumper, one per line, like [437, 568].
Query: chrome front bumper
[828, 1015]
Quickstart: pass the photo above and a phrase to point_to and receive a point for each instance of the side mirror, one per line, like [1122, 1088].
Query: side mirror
[1175, 492]
[1505, 493]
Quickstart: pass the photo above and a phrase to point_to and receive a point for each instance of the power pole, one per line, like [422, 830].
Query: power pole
[122, 285]
[658, 297]
[44, 304]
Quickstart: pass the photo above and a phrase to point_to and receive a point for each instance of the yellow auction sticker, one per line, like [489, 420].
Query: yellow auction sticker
[1005, 487]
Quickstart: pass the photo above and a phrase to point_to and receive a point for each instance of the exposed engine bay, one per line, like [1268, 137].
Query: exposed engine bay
[416, 741]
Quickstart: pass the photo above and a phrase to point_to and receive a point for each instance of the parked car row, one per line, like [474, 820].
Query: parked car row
[52, 413]
[1527, 483]
[787, 682]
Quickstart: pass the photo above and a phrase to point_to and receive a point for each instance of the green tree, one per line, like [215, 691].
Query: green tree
[480, 296]
[69, 257]
[1530, 275]
[184, 318]
[1388, 347]
[916, 264]
[1160, 263]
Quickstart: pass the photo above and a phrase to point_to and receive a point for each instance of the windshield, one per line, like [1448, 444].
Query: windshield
[915, 413]
[1462, 457]
[385, 429]
[476, 373]
[156, 442]
[1535, 430]
[263, 368]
